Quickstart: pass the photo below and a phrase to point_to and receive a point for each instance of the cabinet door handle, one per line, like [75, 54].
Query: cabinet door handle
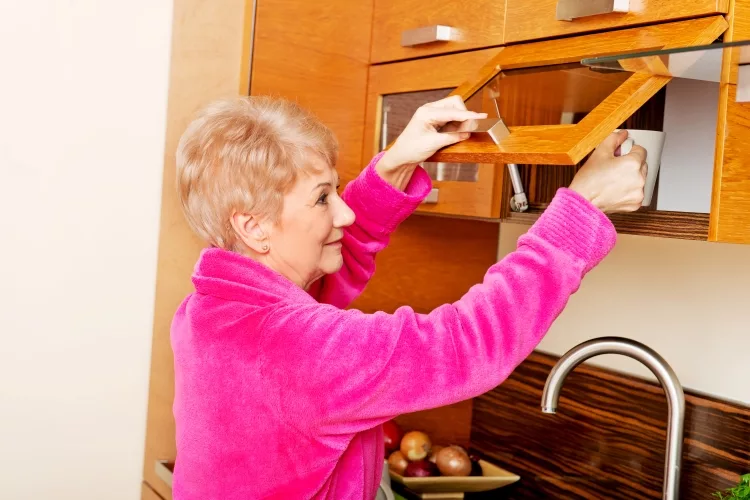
[428, 34]
[568, 10]
[431, 198]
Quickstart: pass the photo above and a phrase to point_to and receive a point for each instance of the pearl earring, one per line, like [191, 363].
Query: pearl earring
[265, 248]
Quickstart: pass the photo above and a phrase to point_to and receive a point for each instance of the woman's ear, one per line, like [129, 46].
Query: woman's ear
[251, 233]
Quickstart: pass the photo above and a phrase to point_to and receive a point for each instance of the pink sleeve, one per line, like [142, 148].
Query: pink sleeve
[379, 209]
[352, 371]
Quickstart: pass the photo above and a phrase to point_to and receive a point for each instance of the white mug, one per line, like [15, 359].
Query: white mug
[653, 142]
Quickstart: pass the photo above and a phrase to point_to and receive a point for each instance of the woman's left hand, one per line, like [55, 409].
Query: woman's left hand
[421, 139]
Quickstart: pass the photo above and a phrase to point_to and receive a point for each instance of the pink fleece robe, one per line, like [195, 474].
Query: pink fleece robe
[280, 393]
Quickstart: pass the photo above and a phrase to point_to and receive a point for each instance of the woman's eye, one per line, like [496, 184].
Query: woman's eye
[323, 200]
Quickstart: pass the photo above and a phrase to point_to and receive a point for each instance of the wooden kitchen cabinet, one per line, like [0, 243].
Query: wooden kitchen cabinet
[559, 99]
[406, 29]
[540, 18]
[556, 110]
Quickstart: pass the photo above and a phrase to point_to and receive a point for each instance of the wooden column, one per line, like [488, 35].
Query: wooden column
[730, 203]
[207, 55]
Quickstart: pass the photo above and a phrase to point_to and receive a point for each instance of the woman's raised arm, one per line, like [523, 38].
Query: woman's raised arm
[386, 193]
[355, 370]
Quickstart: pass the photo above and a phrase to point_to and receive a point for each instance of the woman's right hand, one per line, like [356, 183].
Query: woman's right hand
[613, 184]
[422, 138]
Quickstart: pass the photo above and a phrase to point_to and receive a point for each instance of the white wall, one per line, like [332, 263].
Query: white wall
[687, 162]
[83, 96]
[688, 300]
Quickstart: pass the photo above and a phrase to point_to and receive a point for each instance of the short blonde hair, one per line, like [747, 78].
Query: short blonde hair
[244, 154]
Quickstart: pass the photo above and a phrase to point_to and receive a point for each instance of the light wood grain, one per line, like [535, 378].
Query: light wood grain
[429, 262]
[207, 50]
[317, 54]
[730, 200]
[481, 23]
[535, 20]
[567, 145]
[148, 494]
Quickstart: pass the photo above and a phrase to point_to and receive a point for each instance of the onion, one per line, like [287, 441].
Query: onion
[415, 445]
[453, 461]
[398, 463]
[432, 457]
[391, 436]
[421, 468]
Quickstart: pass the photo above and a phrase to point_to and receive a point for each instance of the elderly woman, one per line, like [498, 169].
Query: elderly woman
[280, 392]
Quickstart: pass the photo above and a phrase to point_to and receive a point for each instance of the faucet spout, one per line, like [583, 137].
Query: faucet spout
[663, 372]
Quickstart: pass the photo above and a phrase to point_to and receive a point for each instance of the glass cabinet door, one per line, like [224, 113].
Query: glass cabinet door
[397, 110]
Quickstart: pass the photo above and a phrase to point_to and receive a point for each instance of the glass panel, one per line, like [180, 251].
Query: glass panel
[398, 110]
[694, 63]
[550, 95]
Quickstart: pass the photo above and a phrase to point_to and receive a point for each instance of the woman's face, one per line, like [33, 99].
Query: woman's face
[305, 244]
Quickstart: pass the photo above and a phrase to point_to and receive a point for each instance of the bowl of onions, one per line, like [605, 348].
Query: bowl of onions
[427, 469]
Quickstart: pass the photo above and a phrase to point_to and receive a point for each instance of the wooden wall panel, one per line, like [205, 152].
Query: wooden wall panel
[317, 53]
[607, 439]
[730, 204]
[207, 50]
[429, 262]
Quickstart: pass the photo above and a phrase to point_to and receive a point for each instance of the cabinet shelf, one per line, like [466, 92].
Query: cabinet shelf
[680, 225]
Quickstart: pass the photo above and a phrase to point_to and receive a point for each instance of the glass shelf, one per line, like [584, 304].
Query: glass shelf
[703, 62]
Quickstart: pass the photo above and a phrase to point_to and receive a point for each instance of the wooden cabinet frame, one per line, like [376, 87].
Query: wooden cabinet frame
[730, 199]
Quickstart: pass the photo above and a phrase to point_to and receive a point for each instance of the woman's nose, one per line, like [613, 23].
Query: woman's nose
[344, 215]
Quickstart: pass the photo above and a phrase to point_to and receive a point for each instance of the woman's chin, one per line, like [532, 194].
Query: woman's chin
[333, 264]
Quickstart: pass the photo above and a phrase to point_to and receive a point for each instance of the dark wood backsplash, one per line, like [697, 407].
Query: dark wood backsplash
[608, 438]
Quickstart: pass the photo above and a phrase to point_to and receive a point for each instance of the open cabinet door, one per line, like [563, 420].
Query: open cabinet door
[537, 87]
